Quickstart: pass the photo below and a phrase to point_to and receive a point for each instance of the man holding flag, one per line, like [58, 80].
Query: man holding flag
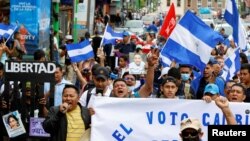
[126, 46]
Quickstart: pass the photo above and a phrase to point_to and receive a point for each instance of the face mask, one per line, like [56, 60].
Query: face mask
[185, 76]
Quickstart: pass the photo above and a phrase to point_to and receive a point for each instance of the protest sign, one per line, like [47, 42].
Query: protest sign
[36, 128]
[137, 63]
[13, 124]
[149, 119]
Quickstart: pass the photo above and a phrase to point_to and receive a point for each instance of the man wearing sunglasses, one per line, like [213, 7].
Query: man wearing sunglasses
[191, 128]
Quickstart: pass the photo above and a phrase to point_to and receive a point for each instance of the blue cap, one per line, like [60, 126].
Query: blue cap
[125, 33]
[212, 89]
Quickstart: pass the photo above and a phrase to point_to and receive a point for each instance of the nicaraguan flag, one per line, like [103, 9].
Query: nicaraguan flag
[165, 61]
[6, 30]
[80, 51]
[111, 36]
[191, 42]
[232, 17]
[231, 65]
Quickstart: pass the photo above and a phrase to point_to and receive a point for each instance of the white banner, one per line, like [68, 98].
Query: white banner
[151, 119]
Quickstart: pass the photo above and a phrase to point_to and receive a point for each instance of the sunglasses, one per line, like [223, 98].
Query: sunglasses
[191, 134]
[132, 79]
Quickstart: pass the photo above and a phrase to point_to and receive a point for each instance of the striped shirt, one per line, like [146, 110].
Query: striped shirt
[75, 127]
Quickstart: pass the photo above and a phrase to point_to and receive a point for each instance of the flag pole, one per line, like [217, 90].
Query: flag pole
[12, 33]
[103, 35]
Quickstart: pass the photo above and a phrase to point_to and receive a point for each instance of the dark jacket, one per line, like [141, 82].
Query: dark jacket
[56, 123]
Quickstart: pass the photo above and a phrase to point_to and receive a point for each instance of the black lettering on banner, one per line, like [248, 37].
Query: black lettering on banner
[233, 132]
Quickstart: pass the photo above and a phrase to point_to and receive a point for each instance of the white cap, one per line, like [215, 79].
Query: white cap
[164, 71]
[68, 37]
[190, 123]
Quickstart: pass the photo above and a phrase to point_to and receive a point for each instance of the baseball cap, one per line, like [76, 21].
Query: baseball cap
[68, 37]
[169, 79]
[102, 73]
[125, 33]
[192, 123]
[211, 88]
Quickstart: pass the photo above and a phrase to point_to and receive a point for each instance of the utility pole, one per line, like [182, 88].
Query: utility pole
[75, 3]
[55, 15]
[54, 21]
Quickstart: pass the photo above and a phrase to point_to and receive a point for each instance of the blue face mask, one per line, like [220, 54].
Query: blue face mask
[185, 76]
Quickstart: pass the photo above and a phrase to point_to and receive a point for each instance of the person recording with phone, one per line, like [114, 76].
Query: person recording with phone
[69, 120]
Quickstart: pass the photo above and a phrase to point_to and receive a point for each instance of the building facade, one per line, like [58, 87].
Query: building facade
[181, 6]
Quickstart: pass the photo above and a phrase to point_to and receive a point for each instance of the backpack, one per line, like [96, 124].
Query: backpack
[89, 95]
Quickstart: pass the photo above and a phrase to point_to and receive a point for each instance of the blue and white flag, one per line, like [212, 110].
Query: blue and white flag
[111, 36]
[191, 42]
[80, 51]
[165, 61]
[232, 17]
[6, 30]
[231, 65]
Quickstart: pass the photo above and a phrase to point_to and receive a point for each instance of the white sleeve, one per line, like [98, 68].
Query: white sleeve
[83, 99]
[1, 89]
[91, 101]
[46, 87]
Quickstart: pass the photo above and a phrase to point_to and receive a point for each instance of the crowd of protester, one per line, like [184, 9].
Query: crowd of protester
[108, 74]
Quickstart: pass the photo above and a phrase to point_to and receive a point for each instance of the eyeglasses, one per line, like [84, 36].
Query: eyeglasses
[128, 78]
[191, 134]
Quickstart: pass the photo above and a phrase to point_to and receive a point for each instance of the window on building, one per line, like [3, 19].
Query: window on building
[199, 4]
[168, 2]
[178, 3]
[209, 3]
[219, 4]
[189, 3]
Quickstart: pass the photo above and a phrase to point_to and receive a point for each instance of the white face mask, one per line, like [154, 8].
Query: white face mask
[185, 76]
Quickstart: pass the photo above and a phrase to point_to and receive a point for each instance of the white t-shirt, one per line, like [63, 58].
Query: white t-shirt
[83, 98]
[137, 69]
[56, 43]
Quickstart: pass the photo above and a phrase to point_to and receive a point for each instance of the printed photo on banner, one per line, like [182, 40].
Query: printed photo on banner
[137, 63]
[13, 124]
[36, 128]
